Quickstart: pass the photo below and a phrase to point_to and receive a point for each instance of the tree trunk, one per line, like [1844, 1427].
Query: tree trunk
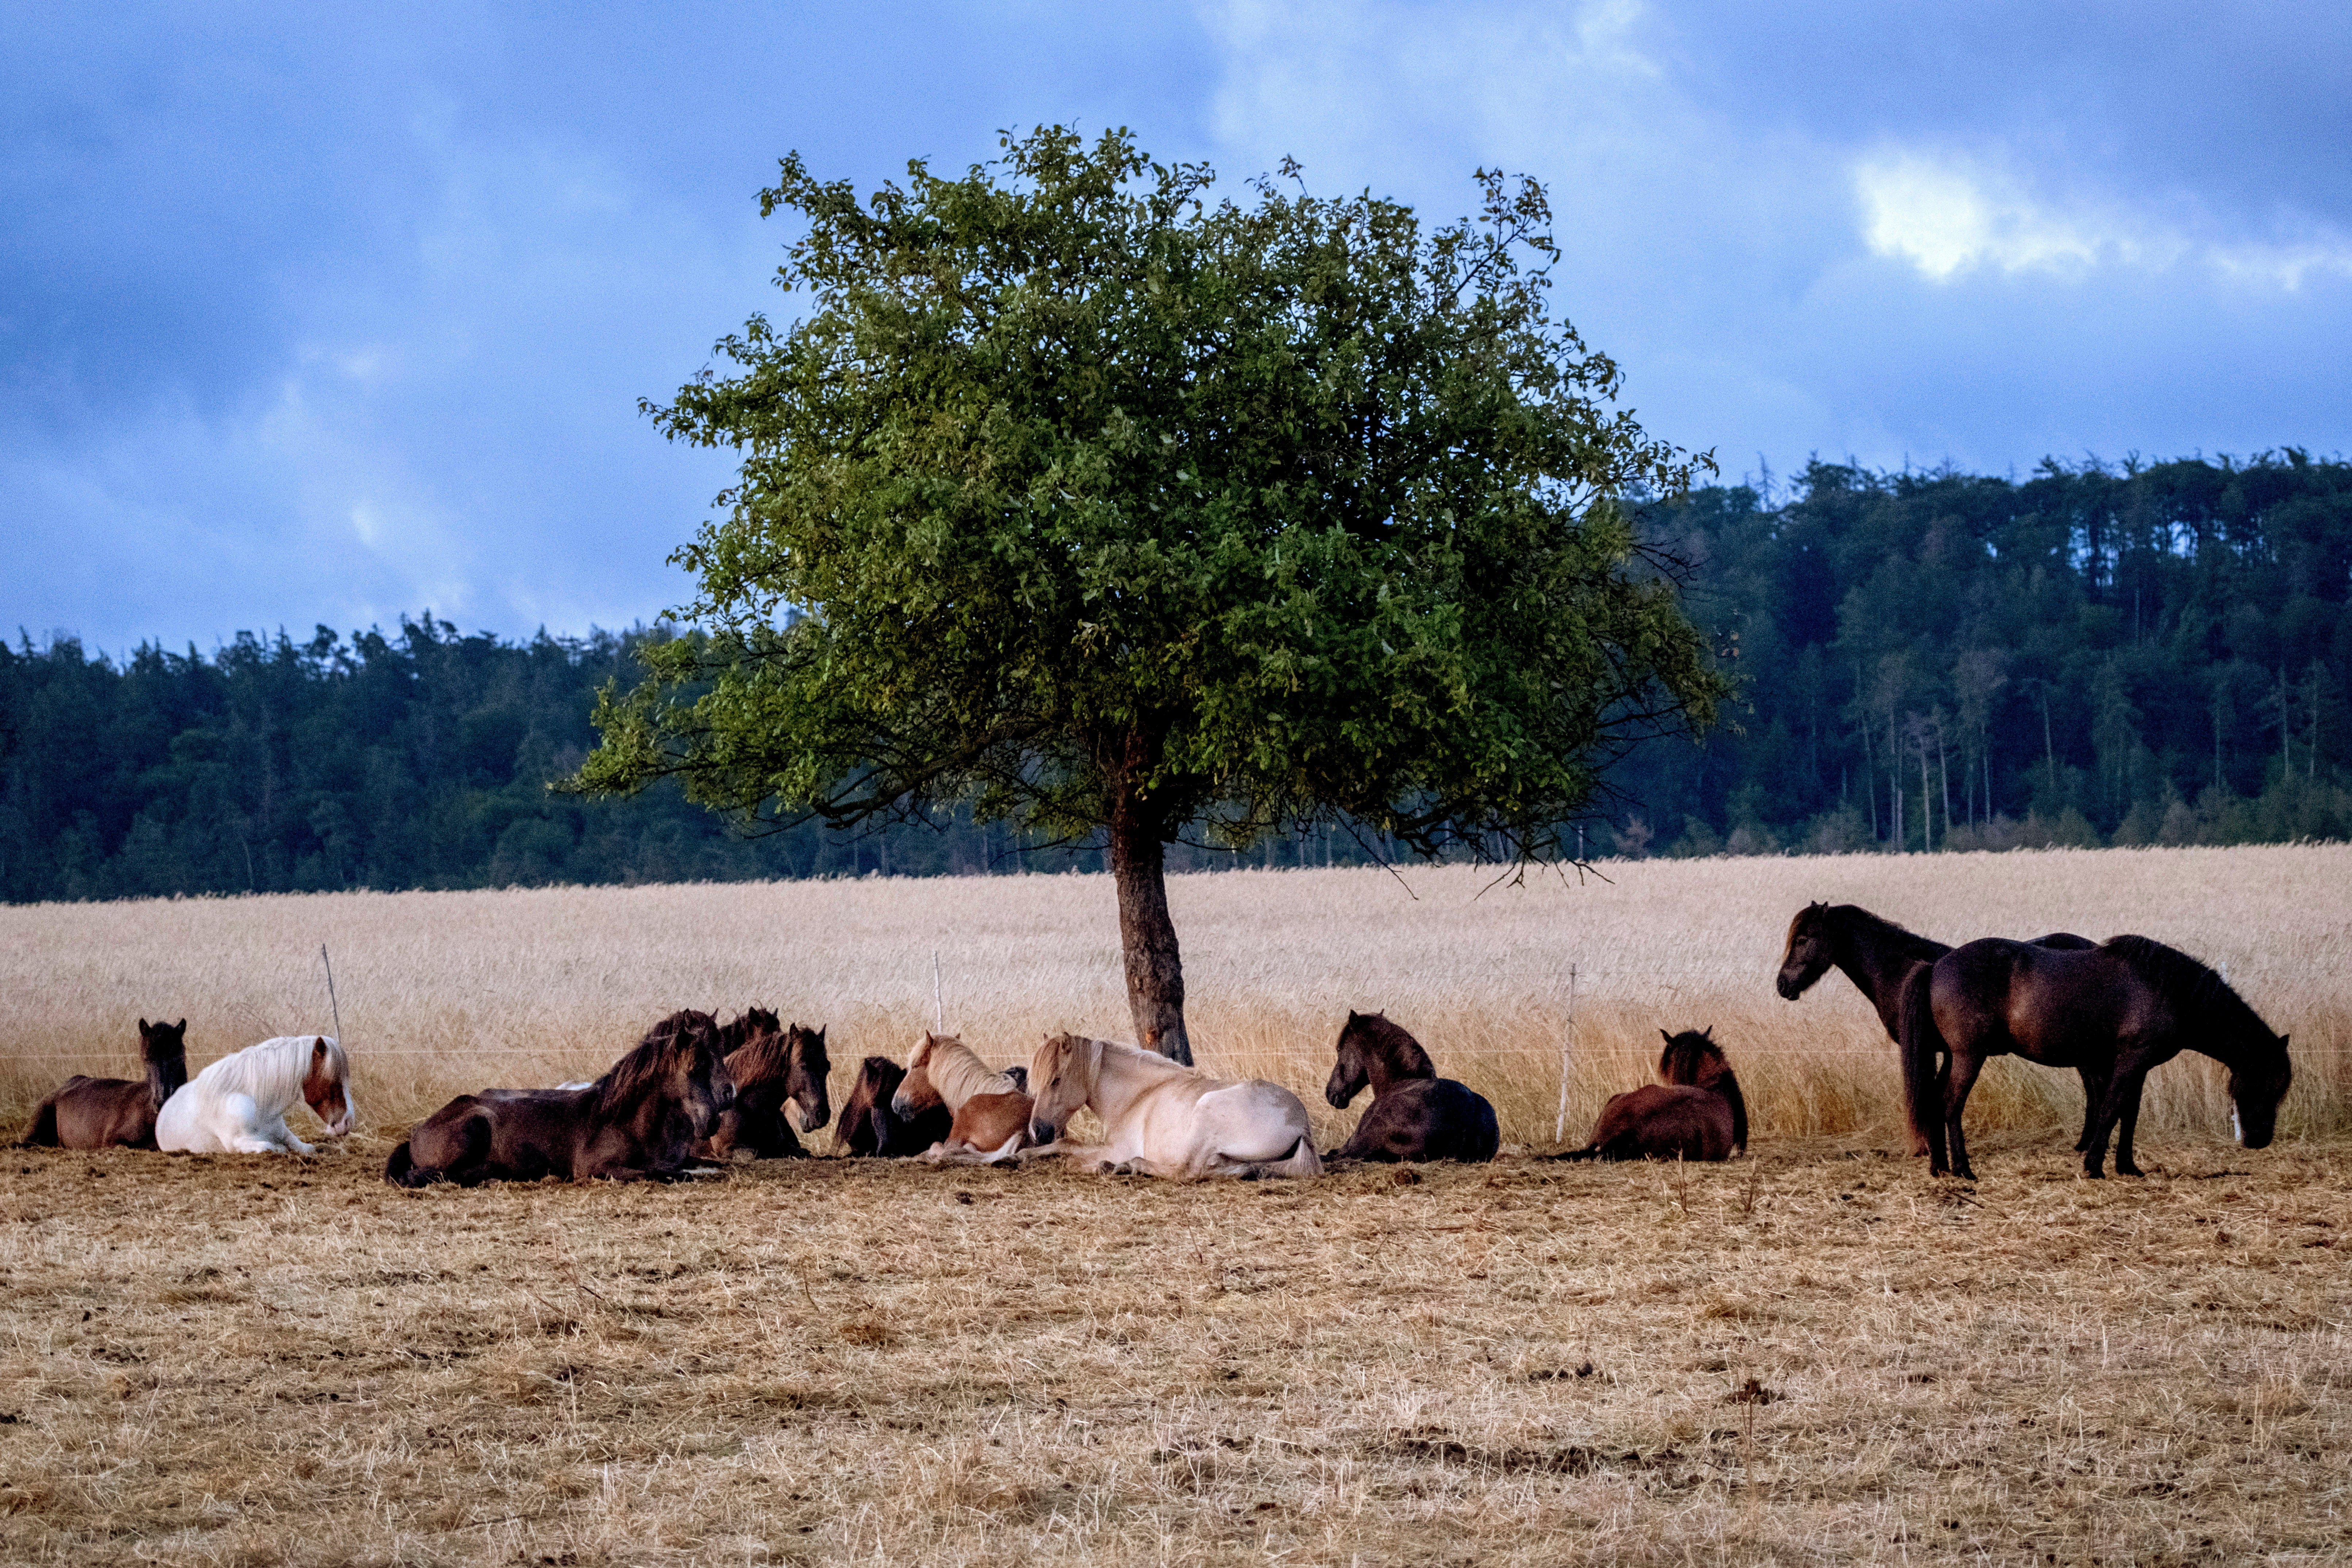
[1155, 973]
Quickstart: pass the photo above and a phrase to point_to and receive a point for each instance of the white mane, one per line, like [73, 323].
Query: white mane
[271, 1072]
[238, 1104]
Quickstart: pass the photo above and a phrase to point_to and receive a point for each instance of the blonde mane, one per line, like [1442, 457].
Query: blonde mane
[956, 1071]
[272, 1072]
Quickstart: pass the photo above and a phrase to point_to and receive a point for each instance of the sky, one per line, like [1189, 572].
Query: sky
[310, 320]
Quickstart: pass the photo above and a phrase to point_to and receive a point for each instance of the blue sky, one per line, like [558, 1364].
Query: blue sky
[307, 320]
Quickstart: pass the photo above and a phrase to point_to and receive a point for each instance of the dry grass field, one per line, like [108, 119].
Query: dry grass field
[1814, 1355]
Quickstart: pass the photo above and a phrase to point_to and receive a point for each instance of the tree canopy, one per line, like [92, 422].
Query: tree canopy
[1098, 505]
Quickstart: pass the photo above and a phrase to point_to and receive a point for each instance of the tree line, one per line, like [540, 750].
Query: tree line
[2146, 653]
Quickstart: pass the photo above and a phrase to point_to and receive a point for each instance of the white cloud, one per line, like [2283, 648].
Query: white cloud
[1947, 217]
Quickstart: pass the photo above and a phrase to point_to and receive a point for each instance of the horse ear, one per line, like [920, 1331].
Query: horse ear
[317, 1048]
[1708, 1034]
[182, 1024]
[142, 1026]
[1665, 1036]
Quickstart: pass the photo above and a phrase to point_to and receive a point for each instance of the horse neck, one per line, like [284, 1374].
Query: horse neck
[1127, 1073]
[271, 1072]
[1875, 954]
[958, 1073]
[1392, 1061]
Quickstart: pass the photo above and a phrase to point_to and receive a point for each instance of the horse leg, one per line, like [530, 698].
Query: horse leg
[2128, 1124]
[1962, 1074]
[2090, 1109]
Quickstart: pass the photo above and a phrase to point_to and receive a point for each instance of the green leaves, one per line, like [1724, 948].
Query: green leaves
[1065, 464]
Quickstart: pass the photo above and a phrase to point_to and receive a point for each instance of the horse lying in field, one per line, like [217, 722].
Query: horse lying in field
[640, 1121]
[1699, 1114]
[780, 1091]
[115, 1112]
[1164, 1119]
[988, 1109]
[1877, 955]
[2115, 1013]
[238, 1104]
[870, 1128]
[1415, 1113]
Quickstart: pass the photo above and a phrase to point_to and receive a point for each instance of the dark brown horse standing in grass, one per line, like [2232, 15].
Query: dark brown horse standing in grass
[869, 1127]
[1877, 955]
[780, 1091]
[1415, 1113]
[1699, 1114]
[2114, 1012]
[115, 1112]
[638, 1122]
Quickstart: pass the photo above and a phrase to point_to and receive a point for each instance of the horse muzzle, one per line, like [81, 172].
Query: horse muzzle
[804, 1120]
[1044, 1132]
[1788, 986]
[899, 1107]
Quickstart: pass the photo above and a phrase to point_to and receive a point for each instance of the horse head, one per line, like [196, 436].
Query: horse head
[877, 1080]
[165, 1049]
[805, 1104]
[915, 1094]
[1062, 1077]
[2256, 1087]
[1352, 1070]
[1692, 1058]
[326, 1086]
[1808, 953]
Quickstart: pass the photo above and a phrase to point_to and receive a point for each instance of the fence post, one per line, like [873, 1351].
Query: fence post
[1560, 1126]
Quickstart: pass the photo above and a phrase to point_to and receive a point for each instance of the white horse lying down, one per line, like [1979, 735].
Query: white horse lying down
[238, 1104]
[1164, 1119]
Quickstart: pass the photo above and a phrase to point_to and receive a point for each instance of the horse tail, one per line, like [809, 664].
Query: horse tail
[43, 1133]
[1921, 1041]
[1302, 1161]
[1590, 1152]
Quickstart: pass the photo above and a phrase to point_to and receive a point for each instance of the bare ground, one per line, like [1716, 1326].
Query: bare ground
[1815, 1356]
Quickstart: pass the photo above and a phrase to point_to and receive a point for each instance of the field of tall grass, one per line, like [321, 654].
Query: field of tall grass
[441, 992]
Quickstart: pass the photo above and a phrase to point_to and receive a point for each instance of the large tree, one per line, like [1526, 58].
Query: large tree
[1099, 506]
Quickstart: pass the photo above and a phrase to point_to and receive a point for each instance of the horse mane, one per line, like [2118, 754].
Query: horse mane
[1922, 947]
[767, 1054]
[2204, 1000]
[679, 1035]
[739, 1032]
[1694, 1058]
[1402, 1053]
[956, 1071]
[272, 1072]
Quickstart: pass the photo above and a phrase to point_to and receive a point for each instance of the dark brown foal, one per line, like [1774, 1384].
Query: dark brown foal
[115, 1112]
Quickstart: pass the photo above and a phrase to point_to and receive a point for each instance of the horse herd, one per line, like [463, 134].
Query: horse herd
[696, 1093]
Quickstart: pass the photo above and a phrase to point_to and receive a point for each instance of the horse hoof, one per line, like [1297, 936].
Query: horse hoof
[2124, 1170]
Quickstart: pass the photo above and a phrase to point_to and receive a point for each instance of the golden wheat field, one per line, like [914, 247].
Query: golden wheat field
[1814, 1354]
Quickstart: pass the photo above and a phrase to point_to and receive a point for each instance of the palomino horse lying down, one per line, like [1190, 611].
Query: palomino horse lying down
[1697, 1114]
[1415, 1114]
[638, 1122]
[1164, 1119]
[989, 1110]
[238, 1104]
[115, 1112]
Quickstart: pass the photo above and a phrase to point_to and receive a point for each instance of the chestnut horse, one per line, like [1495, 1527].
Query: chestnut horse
[638, 1122]
[2115, 1013]
[869, 1127]
[780, 1091]
[1699, 1114]
[1415, 1113]
[111, 1112]
[238, 1104]
[989, 1110]
[1164, 1119]
[1876, 954]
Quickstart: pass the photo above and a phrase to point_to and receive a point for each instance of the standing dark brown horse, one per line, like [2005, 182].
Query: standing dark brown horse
[115, 1112]
[1699, 1114]
[2114, 1012]
[869, 1126]
[638, 1122]
[1877, 955]
[1415, 1113]
[780, 1091]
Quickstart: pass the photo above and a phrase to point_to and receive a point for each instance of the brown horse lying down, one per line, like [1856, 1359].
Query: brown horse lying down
[989, 1110]
[640, 1121]
[780, 1091]
[868, 1127]
[1415, 1113]
[110, 1113]
[1699, 1114]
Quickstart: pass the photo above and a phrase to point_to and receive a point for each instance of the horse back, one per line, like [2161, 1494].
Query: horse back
[96, 1114]
[1426, 1118]
[1665, 1122]
[2061, 1006]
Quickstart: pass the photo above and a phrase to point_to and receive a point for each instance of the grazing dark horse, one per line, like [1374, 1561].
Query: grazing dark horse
[1876, 954]
[1699, 1114]
[1415, 1113]
[640, 1121]
[110, 1112]
[780, 1091]
[870, 1127]
[2114, 1012]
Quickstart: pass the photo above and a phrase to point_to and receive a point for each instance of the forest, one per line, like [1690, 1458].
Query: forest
[2142, 653]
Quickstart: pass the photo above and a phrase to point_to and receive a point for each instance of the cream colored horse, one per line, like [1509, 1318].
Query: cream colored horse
[990, 1112]
[1166, 1119]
